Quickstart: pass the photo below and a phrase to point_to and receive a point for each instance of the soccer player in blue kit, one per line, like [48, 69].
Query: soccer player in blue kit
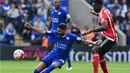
[57, 57]
[58, 16]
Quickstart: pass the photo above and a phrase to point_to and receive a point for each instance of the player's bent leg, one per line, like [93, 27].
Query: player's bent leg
[40, 67]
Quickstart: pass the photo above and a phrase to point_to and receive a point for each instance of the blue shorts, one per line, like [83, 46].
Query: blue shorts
[51, 39]
[48, 60]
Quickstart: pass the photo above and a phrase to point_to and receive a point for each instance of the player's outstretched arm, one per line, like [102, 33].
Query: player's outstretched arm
[97, 29]
[90, 42]
[28, 25]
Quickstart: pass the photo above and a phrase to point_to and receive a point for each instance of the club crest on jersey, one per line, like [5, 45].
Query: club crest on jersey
[59, 13]
[102, 20]
[55, 20]
[67, 38]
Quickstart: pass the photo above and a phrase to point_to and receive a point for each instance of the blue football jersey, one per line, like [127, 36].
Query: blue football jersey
[58, 17]
[63, 44]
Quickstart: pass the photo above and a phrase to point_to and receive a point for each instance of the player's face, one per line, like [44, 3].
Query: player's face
[56, 3]
[96, 8]
[61, 32]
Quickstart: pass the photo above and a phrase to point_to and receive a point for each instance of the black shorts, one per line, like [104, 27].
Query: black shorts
[105, 45]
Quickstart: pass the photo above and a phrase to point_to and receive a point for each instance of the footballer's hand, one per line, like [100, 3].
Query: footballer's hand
[97, 43]
[27, 25]
[93, 12]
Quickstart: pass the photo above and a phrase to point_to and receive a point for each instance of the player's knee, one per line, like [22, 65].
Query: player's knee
[36, 71]
[55, 64]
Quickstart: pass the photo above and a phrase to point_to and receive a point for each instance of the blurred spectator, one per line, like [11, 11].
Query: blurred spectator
[6, 6]
[1, 10]
[123, 26]
[124, 5]
[120, 15]
[105, 4]
[42, 11]
[128, 16]
[116, 5]
[39, 4]
[47, 3]
[41, 17]
[120, 12]
[24, 5]
[9, 34]
[22, 19]
[22, 2]
[13, 15]
[32, 11]
[39, 23]
[29, 3]
[75, 30]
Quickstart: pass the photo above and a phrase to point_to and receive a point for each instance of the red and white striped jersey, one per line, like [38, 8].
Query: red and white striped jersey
[110, 32]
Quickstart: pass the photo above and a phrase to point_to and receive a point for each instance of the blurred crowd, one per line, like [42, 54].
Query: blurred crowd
[14, 13]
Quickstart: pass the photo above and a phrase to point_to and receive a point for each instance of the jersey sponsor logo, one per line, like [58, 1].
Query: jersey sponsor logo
[102, 20]
[61, 45]
[55, 20]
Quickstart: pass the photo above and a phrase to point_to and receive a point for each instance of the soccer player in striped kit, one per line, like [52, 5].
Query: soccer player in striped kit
[109, 36]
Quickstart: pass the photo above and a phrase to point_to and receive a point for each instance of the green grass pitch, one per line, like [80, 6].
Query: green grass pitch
[78, 67]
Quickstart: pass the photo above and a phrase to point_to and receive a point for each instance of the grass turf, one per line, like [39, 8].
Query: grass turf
[78, 67]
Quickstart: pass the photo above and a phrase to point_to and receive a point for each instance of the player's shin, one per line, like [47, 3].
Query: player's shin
[96, 59]
[36, 71]
[103, 65]
[49, 69]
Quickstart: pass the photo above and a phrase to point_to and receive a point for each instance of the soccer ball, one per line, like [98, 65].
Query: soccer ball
[18, 54]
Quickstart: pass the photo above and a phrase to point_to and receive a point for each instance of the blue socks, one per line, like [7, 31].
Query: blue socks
[69, 62]
[49, 69]
[36, 71]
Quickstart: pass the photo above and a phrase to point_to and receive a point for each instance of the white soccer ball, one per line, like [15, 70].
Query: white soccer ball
[18, 54]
